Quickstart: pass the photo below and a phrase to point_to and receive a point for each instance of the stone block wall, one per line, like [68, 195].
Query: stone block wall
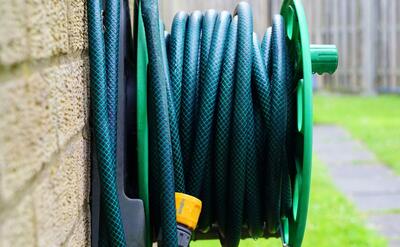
[44, 137]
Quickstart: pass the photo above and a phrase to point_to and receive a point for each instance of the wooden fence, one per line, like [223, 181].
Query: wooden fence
[365, 32]
[262, 9]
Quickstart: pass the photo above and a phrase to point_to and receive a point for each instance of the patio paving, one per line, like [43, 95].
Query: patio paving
[369, 184]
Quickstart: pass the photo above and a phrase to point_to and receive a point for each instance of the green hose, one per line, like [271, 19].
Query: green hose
[161, 167]
[103, 53]
[111, 38]
[221, 117]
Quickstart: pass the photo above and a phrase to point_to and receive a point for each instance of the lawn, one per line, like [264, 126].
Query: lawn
[373, 120]
[332, 222]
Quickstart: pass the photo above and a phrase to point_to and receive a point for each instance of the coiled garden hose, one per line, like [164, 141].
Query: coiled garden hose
[221, 118]
[103, 53]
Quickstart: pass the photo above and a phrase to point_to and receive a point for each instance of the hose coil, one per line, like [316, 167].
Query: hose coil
[103, 54]
[221, 121]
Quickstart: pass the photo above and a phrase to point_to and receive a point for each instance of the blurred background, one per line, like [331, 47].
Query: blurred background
[365, 31]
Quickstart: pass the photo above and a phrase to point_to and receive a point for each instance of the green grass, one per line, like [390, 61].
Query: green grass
[332, 221]
[373, 120]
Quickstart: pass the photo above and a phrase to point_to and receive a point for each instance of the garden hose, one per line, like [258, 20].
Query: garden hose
[103, 53]
[229, 122]
[221, 122]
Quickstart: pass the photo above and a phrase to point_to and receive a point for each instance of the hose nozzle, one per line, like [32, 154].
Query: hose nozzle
[188, 210]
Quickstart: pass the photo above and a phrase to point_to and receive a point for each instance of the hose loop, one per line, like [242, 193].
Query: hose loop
[221, 121]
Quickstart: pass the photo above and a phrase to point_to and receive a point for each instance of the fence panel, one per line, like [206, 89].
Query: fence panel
[262, 10]
[365, 31]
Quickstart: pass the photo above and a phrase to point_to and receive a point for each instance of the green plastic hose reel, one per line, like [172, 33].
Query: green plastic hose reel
[309, 59]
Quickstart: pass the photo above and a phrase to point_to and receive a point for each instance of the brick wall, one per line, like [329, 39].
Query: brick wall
[44, 99]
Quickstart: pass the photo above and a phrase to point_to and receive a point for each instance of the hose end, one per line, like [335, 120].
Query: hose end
[188, 209]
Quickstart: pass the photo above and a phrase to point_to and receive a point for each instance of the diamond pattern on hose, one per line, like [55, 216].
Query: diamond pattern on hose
[103, 135]
[162, 170]
[176, 45]
[231, 103]
[224, 126]
[278, 118]
[206, 105]
[241, 117]
[189, 86]
[174, 127]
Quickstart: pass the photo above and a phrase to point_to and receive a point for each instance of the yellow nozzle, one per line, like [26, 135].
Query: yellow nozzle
[188, 210]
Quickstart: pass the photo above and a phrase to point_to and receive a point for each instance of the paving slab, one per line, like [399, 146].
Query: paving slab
[389, 225]
[368, 183]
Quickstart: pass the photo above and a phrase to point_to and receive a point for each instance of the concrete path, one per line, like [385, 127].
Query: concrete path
[370, 185]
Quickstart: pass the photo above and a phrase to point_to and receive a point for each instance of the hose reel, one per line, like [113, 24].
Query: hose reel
[198, 128]
[230, 122]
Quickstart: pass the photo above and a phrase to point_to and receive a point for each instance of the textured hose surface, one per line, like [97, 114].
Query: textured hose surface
[161, 166]
[228, 103]
[111, 38]
[104, 77]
